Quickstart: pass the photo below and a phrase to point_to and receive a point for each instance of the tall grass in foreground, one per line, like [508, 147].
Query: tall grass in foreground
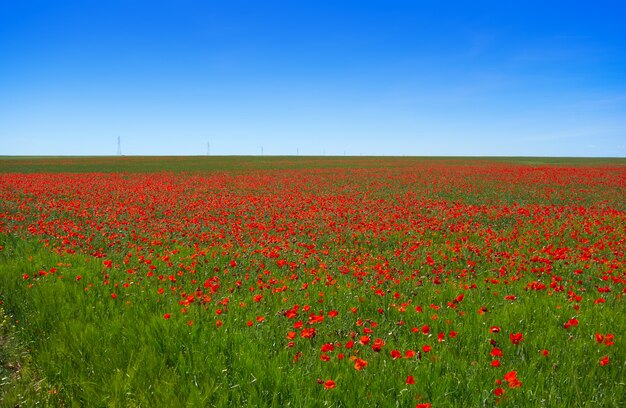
[88, 349]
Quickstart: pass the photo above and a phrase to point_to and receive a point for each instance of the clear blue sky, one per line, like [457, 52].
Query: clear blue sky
[356, 77]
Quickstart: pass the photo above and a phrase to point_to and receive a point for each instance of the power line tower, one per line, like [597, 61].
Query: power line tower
[119, 146]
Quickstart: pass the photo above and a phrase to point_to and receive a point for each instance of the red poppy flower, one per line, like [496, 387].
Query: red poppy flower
[511, 375]
[327, 347]
[329, 384]
[378, 345]
[571, 322]
[516, 338]
[604, 361]
[313, 318]
[308, 333]
[410, 379]
[512, 380]
[360, 364]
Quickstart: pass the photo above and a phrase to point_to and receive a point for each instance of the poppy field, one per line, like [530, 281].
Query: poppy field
[313, 282]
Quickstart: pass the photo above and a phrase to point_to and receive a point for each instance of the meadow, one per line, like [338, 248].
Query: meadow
[312, 282]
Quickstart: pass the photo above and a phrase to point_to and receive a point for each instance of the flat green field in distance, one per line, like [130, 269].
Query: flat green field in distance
[143, 164]
[312, 282]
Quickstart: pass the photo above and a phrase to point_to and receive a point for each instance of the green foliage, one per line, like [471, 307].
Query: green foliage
[132, 319]
[149, 164]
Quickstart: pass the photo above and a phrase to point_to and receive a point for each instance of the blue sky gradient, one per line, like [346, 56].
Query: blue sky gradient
[325, 77]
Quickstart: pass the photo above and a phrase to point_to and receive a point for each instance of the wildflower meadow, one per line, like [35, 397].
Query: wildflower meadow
[312, 282]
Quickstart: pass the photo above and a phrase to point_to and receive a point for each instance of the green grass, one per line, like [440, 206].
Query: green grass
[65, 341]
[90, 350]
[148, 164]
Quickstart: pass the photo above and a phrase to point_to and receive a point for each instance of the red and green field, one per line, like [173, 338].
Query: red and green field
[313, 282]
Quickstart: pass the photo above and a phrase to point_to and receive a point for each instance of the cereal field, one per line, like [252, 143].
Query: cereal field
[313, 282]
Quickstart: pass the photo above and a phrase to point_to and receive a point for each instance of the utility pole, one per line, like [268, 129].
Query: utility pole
[119, 146]
[208, 148]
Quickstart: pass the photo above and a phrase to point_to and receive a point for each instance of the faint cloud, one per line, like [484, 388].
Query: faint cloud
[602, 103]
[479, 44]
[590, 132]
[467, 88]
[608, 100]
[559, 49]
